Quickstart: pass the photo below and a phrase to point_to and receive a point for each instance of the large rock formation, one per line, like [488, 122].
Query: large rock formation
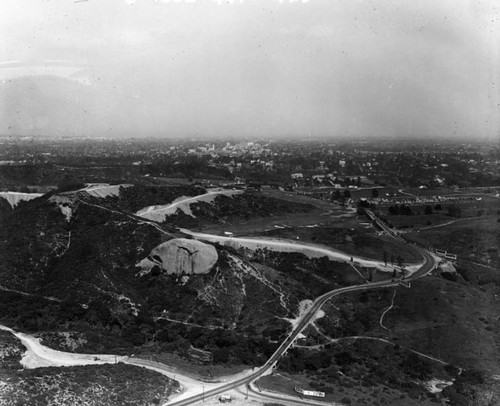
[181, 256]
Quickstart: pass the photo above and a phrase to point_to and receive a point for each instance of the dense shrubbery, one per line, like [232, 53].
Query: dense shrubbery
[99, 385]
[315, 275]
[400, 210]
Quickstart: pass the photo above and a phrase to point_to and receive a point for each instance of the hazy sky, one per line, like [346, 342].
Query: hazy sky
[253, 68]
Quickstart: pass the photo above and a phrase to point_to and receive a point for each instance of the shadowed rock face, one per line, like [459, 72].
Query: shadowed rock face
[181, 256]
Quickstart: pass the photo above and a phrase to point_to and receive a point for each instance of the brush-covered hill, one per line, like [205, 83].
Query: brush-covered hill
[76, 276]
[391, 346]
[73, 272]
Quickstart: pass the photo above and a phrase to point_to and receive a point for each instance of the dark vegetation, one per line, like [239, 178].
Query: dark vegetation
[444, 325]
[363, 363]
[355, 313]
[345, 370]
[11, 351]
[5, 208]
[315, 275]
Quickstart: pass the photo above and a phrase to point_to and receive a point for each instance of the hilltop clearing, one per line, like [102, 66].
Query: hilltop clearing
[14, 198]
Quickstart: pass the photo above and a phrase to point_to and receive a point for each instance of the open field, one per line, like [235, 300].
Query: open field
[321, 212]
[262, 224]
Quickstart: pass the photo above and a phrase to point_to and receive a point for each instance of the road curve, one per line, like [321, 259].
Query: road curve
[428, 265]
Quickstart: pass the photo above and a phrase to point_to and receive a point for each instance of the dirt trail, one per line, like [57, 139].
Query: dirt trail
[38, 355]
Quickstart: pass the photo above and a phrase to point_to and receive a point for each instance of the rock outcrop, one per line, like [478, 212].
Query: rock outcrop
[180, 256]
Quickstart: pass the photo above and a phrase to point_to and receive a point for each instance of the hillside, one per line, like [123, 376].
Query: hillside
[363, 342]
[476, 241]
[104, 280]
[81, 279]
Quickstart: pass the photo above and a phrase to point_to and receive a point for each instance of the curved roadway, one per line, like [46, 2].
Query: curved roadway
[428, 265]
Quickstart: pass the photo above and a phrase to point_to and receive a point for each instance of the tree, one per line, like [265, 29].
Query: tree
[454, 211]
[374, 193]
[405, 210]
[347, 193]
[385, 258]
[400, 261]
[428, 210]
[438, 207]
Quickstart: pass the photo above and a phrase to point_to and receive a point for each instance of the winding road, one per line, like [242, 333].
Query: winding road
[429, 264]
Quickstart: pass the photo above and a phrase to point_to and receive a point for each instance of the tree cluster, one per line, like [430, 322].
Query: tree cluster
[400, 209]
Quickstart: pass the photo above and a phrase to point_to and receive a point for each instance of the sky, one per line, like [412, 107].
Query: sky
[272, 69]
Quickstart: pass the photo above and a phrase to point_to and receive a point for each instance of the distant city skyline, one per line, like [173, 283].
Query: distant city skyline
[264, 69]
